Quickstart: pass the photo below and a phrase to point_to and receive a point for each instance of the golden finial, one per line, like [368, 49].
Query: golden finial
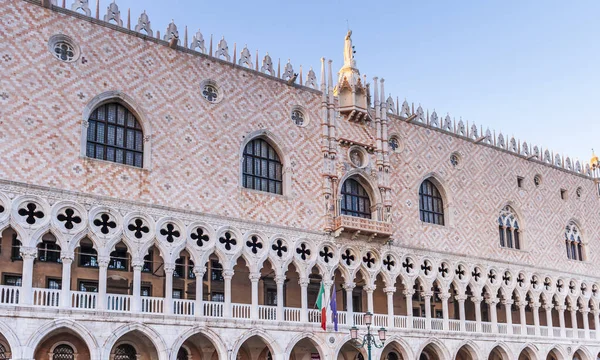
[594, 163]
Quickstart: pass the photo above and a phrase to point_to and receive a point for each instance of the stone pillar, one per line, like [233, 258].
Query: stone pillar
[199, 302]
[254, 278]
[390, 290]
[227, 275]
[522, 316]
[548, 308]
[303, 282]
[136, 305]
[349, 303]
[102, 275]
[65, 293]
[535, 308]
[327, 286]
[369, 289]
[28, 254]
[280, 280]
[408, 293]
[561, 319]
[596, 313]
[445, 296]
[168, 305]
[492, 302]
[586, 321]
[427, 296]
[573, 310]
[477, 302]
[461, 311]
[508, 309]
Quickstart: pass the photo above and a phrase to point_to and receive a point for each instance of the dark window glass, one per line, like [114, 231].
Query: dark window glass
[63, 352]
[217, 296]
[355, 200]
[216, 272]
[16, 249]
[145, 291]
[54, 284]
[12, 280]
[271, 297]
[190, 267]
[431, 205]
[88, 257]
[177, 294]
[111, 138]
[148, 262]
[509, 239]
[119, 260]
[88, 286]
[501, 231]
[125, 352]
[262, 169]
[517, 241]
[179, 271]
[48, 251]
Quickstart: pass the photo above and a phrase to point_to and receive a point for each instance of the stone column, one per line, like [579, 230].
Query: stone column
[390, 290]
[327, 286]
[349, 303]
[586, 321]
[573, 310]
[65, 293]
[369, 289]
[168, 305]
[561, 319]
[136, 305]
[492, 302]
[535, 308]
[427, 296]
[408, 293]
[596, 313]
[227, 275]
[548, 308]
[508, 309]
[522, 316]
[280, 280]
[461, 311]
[303, 282]
[103, 262]
[445, 296]
[254, 278]
[28, 254]
[477, 302]
[199, 302]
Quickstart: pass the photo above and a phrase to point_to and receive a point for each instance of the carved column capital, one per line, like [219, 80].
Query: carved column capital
[199, 271]
[228, 274]
[103, 261]
[303, 282]
[408, 292]
[169, 267]
[28, 253]
[349, 286]
[280, 279]
[476, 299]
[254, 276]
[389, 289]
[137, 265]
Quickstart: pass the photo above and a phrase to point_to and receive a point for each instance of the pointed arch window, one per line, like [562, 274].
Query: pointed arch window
[63, 352]
[508, 229]
[114, 134]
[573, 242]
[125, 352]
[431, 204]
[355, 200]
[262, 169]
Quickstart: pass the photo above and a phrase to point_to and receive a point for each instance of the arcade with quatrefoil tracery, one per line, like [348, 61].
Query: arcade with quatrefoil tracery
[162, 199]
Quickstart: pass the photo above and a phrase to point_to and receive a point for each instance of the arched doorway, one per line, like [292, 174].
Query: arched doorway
[554, 354]
[527, 354]
[198, 346]
[498, 353]
[394, 351]
[306, 349]
[134, 345]
[431, 352]
[63, 344]
[5, 350]
[254, 348]
[466, 352]
[349, 351]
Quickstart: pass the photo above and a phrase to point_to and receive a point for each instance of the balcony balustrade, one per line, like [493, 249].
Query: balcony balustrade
[87, 301]
[362, 226]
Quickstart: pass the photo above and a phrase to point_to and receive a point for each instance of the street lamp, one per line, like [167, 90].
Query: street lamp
[369, 339]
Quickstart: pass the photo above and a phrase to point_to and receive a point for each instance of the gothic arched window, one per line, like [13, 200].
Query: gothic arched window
[573, 242]
[63, 352]
[125, 352]
[508, 228]
[114, 134]
[355, 200]
[431, 204]
[262, 170]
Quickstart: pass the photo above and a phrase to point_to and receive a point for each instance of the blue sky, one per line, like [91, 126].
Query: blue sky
[526, 68]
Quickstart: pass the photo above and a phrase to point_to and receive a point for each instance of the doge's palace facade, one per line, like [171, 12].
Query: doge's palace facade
[168, 197]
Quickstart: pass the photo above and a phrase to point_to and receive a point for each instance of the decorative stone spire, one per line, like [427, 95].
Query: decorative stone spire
[350, 89]
[144, 24]
[198, 42]
[113, 13]
[223, 50]
[82, 5]
[267, 65]
[245, 58]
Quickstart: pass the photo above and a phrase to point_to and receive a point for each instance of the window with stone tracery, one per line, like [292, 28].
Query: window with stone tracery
[355, 200]
[262, 169]
[431, 204]
[508, 229]
[573, 242]
[63, 352]
[114, 134]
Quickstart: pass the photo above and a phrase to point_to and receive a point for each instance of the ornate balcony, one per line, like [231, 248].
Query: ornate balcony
[361, 226]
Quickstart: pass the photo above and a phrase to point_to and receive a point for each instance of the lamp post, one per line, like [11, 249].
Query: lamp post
[369, 339]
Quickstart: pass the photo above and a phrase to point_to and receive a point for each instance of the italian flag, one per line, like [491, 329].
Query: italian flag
[321, 305]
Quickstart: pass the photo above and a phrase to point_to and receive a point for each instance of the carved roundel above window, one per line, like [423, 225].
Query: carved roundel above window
[63, 48]
[211, 92]
[358, 157]
[299, 116]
